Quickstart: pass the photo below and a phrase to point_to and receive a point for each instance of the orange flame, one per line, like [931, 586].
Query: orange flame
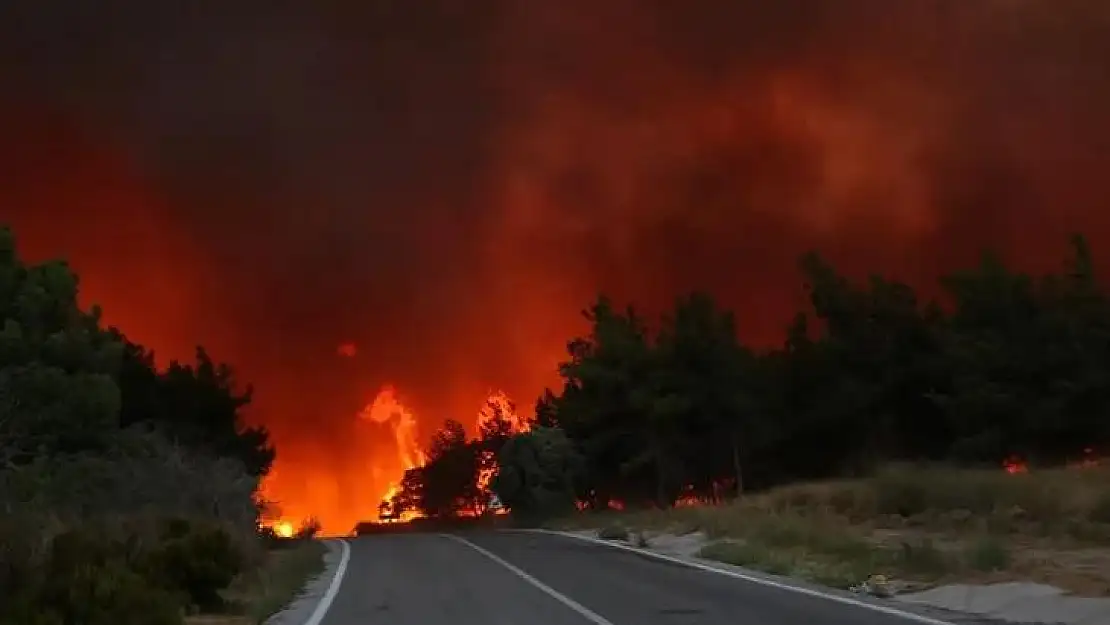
[498, 406]
[342, 498]
[387, 408]
[284, 529]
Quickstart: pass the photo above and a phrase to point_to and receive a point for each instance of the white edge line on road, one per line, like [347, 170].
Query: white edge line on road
[322, 607]
[924, 620]
[582, 610]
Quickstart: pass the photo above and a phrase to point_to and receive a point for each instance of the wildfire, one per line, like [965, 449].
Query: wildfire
[1014, 465]
[498, 407]
[1089, 458]
[387, 408]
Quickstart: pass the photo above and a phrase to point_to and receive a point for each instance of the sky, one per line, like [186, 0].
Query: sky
[446, 184]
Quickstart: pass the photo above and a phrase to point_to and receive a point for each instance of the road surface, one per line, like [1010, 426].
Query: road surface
[521, 578]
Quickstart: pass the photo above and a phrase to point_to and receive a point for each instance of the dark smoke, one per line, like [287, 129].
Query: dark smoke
[445, 183]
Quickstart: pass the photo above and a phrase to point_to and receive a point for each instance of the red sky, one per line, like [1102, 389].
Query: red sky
[446, 184]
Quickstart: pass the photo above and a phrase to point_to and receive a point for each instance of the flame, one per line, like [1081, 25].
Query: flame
[283, 529]
[387, 408]
[498, 405]
[340, 497]
[1088, 459]
[347, 350]
[346, 507]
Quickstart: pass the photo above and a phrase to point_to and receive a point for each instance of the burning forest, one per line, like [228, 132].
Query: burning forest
[379, 211]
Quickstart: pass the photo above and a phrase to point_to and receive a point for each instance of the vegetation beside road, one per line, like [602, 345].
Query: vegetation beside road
[1001, 366]
[786, 452]
[268, 588]
[127, 491]
[915, 526]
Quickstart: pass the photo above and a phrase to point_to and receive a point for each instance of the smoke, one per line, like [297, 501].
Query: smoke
[444, 184]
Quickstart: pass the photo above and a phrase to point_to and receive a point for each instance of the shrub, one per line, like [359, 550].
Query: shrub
[195, 559]
[1100, 509]
[308, 529]
[107, 593]
[83, 576]
[922, 557]
[989, 554]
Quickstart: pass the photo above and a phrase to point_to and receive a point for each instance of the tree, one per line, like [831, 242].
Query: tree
[546, 413]
[1030, 376]
[57, 389]
[198, 405]
[449, 477]
[80, 474]
[540, 471]
[1008, 363]
[606, 380]
[410, 495]
[706, 401]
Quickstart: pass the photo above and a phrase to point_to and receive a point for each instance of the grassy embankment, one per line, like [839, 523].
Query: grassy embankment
[919, 527]
[275, 581]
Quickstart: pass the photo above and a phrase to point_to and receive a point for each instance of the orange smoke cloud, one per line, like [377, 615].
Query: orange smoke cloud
[290, 184]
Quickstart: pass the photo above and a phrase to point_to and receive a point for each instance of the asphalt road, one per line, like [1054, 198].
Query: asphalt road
[518, 578]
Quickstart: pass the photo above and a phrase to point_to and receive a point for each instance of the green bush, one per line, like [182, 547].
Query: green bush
[197, 560]
[118, 574]
[108, 593]
[83, 576]
[990, 554]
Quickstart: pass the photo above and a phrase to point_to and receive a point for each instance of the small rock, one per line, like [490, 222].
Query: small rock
[876, 585]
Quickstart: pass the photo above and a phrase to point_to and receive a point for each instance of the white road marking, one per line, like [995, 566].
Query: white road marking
[333, 588]
[585, 612]
[910, 616]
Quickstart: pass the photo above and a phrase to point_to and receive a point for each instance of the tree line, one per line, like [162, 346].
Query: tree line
[127, 492]
[1001, 364]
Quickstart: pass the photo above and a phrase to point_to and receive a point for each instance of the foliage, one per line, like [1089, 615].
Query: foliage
[1010, 365]
[1005, 364]
[100, 574]
[449, 483]
[538, 473]
[97, 448]
[197, 560]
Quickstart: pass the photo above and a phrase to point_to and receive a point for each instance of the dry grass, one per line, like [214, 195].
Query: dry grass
[920, 526]
[271, 586]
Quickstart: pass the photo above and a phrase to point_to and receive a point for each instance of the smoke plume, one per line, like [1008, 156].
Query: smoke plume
[444, 184]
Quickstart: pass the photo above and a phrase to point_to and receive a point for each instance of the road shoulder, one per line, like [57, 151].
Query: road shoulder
[970, 605]
[306, 608]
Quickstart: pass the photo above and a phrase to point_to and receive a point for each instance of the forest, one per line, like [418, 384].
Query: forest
[1003, 366]
[128, 492]
[129, 488]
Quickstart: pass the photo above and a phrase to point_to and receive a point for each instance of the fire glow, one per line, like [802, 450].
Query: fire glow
[704, 145]
[339, 514]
